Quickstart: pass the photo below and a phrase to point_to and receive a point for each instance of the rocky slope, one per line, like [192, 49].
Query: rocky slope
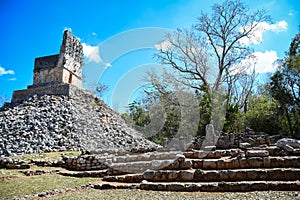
[56, 123]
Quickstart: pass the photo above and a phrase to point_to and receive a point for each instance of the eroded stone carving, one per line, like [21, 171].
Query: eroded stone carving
[55, 74]
[65, 67]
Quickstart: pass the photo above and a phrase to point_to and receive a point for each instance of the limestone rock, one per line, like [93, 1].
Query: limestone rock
[244, 145]
[288, 141]
[55, 123]
[257, 153]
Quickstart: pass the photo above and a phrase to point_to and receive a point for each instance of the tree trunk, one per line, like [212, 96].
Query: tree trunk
[289, 121]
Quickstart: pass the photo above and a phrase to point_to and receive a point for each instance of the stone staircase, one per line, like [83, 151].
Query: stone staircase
[251, 169]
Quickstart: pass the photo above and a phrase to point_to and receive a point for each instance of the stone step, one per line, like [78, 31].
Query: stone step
[128, 178]
[277, 174]
[146, 157]
[246, 162]
[141, 166]
[196, 154]
[180, 163]
[98, 173]
[244, 186]
[248, 152]
[290, 174]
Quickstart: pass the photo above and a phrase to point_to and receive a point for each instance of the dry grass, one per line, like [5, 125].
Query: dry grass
[15, 184]
[51, 156]
[93, 194]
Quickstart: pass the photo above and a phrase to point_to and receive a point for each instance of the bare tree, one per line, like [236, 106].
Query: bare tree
[99, 89]
[205, 54]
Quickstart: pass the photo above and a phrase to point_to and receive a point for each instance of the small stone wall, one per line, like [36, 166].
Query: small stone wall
[45, 62]
[85, 162]
[52, 89]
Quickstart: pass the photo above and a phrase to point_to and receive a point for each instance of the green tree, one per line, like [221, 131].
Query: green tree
[262, 114]
[285, 84]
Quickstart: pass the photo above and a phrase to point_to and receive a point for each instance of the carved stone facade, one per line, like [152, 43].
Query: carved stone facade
[65, 67]
[55, 73]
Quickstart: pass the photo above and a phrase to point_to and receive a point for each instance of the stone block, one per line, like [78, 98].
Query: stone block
[197, 164]
[212, 175]
[185, 175]
[234, 152]
[255, 162]
[296, 151]
[267, 162]
[243, 163]
[149, 175]
[210, 148]
[257, 153]
[288, 148]
[186, 165]
[288, 141]
[209, 164]
[244, 145]
[273, 150]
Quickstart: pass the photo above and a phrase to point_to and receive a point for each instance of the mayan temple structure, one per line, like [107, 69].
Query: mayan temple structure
[55, 74]
[55, 113]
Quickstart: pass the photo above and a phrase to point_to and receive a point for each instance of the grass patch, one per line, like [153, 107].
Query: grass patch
[93, 194]
[50, 156]
[20, 185]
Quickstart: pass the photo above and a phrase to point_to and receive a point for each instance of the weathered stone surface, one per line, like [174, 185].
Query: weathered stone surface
[257, 153]
[288, 148]
[51, 73]
[209, 148]
[244, 145]
[56, 123]
[244, 186]
[288, 141]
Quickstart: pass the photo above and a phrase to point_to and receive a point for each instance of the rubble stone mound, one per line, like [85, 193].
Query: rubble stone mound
[55, 123]
[56, 114]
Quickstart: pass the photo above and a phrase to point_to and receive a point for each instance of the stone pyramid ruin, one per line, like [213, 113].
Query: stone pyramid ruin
[56, 114]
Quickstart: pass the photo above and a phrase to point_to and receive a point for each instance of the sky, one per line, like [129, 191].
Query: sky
[120, 37]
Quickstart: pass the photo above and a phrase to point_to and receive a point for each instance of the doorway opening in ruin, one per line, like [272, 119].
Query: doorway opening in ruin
[70, 78]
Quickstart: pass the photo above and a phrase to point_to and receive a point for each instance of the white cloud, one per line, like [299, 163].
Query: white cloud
[13, 79]
[164, 45]
[93, 55]
[257, 36]
[108, 65]
[261, 62]
[291, 13]
[4, 71]
[94, 34]
[91, 52]
[265, 62]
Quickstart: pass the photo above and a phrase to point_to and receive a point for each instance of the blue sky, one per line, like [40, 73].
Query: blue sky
[32, 29]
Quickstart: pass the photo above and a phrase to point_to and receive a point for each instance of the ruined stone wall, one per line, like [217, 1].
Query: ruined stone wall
[70, 59]
[59, 89]
[225, 140]
[52, 72]
[48, 75]
[65, 67]
[45, 62]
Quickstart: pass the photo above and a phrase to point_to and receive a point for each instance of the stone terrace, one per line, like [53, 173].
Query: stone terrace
[263, 167]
